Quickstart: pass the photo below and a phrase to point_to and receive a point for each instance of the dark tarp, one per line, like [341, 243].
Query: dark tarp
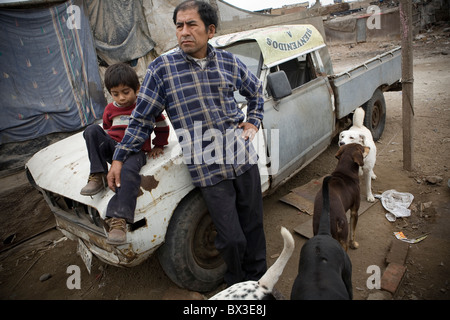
[49, 78]
[120, 29]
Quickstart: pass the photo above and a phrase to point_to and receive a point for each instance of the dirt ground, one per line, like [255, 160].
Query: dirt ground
[23, 262]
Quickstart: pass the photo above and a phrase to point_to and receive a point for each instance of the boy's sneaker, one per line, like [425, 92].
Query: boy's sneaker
[96, 183]
[117, 231]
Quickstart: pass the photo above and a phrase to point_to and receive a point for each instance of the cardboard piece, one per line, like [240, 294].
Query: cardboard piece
[303, 199]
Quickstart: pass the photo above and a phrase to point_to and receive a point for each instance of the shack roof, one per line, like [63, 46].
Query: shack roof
[277, 43]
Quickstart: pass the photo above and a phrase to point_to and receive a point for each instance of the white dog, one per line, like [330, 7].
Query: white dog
[358, 133]
[262, 289]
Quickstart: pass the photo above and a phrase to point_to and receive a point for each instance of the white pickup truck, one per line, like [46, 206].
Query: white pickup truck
[305, 103]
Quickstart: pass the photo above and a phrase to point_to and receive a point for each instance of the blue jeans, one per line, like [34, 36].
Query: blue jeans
[101, 148]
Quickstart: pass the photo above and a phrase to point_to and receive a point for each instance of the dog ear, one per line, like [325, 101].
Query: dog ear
[362, 139]
[358, 157]
[339, 152]
[366, 151]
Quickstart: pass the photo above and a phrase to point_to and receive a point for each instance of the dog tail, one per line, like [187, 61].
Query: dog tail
[324, 227]
[358, 117]
[270, 278]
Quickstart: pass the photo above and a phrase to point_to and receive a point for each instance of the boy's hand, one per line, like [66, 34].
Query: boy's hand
[155, 152]
[113, 176]
[249, 130]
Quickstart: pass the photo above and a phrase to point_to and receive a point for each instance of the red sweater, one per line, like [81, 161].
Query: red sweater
[115, 122]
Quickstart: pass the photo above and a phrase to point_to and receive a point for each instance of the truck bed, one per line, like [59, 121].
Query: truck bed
[354, 87]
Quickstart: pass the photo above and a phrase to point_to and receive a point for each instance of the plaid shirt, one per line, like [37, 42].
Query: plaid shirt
[201, 106]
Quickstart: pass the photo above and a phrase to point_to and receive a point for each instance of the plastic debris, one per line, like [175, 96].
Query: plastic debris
[400, 236]
[396, 203]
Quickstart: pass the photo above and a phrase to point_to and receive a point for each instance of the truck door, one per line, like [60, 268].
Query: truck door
[299, 127]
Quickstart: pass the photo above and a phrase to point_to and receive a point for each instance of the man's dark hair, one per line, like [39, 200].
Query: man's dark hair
[207, 13]
[121, 74]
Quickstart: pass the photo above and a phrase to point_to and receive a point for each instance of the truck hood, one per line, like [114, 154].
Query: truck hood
[63, 168]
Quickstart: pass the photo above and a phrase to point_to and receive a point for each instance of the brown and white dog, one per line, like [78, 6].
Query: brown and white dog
[344, 194]
[358, 133]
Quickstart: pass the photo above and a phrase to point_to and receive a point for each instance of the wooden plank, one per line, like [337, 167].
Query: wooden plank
[407, 84]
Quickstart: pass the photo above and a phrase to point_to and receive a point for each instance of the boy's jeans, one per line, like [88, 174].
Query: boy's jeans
[100, 148]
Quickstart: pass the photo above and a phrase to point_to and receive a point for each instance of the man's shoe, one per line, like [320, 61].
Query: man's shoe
[117, 231]
[96, 183]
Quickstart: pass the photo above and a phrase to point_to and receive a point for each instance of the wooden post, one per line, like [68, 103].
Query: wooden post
[407, 84]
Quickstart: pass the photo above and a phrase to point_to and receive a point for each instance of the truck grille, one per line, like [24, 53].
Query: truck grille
[83, 212]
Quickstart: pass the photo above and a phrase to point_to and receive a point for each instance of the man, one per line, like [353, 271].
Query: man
[195, 86]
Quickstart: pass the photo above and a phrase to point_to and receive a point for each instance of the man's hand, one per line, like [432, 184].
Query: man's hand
[113, 176]
[249, 130]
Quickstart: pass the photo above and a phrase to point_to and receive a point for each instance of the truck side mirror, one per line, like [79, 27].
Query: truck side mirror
[278, 84]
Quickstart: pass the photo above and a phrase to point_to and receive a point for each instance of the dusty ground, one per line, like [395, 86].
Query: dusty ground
[25, 214]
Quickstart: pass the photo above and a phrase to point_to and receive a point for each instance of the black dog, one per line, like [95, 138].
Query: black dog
[325, 270]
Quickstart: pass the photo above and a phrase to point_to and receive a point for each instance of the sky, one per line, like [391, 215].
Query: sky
[253, 5]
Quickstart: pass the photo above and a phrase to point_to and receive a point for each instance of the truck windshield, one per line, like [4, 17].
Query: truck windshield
[250, 54]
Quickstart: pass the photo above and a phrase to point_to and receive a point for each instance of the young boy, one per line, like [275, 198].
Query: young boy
[122, 83]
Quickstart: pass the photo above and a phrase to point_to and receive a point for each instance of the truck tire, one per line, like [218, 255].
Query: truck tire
[375, 118]
[188, 256]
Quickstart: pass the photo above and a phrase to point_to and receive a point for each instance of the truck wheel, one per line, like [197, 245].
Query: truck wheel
[375, 118]
[188, 256]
